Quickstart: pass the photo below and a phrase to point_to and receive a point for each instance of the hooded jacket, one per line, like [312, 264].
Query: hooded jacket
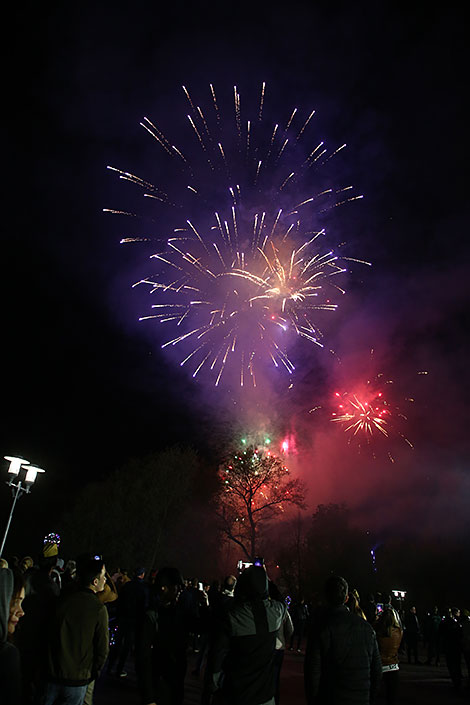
[241, 657]
[10, 675]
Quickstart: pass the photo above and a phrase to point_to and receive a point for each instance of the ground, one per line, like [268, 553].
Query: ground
[419, 684]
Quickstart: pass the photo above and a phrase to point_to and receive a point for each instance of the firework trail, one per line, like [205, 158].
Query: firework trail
[247, 269]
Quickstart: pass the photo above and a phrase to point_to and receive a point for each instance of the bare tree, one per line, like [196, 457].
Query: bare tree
[256, 488]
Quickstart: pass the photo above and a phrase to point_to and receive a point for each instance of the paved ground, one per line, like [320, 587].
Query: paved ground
[419, 685]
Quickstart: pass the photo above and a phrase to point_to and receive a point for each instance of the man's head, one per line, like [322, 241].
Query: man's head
[169, 583]
[229, 583]
[71, 568]
[336, 590]
[26, 563]
[139, 573]
[252, 584]
[91, 572]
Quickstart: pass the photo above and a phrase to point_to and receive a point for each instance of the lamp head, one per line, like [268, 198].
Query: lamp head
[15, 463]
[31, 474]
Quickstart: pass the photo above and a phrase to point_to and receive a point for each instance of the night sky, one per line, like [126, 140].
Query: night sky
[85, 386]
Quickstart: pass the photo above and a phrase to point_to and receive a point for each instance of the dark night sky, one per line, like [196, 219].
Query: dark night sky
[84, 387]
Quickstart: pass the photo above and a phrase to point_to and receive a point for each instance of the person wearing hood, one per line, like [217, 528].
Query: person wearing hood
[241, 660]
[11, 611]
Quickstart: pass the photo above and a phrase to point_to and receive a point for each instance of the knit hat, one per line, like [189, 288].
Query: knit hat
[51, 545]
[50, 549]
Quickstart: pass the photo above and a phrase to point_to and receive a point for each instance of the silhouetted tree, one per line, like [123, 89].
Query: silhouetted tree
[335, 545]
[129, 516]
[255, 488]
[291, 554]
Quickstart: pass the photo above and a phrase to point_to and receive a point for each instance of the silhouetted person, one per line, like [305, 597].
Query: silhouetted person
[299, 615]
[284, 633]
[11, 597]
[412, 632]
[131, 607]
[79, 639]
[389, 636]
[241, 659]
[219, 601]
[387, 605]
[466, 643]
[353, 604]
[162, 643]
[451, 635]
[342, 663]
[432, 625]
[39, 604]
[370, 609]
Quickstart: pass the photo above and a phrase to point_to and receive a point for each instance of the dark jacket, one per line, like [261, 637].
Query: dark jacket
[133, 601]
[42, 595]
[79, 642]
[161, 649]
[342, 663]
[242, 654]
[411, 626]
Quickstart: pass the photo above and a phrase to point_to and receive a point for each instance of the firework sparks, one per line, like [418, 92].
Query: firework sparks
[367, 415]
[361, 416]
[371, 415]
[243, 278]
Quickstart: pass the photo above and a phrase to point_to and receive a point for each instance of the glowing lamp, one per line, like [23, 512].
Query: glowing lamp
[401, 594]
[15, 464]
[31, 474]
[19, 485]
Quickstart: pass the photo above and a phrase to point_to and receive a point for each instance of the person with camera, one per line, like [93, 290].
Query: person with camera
[241, 658]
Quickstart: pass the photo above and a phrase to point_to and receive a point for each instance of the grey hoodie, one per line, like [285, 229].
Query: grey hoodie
[244, 643]
[10, 677]
[6, 591]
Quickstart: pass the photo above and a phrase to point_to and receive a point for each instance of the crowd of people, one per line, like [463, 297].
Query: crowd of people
[62, 625]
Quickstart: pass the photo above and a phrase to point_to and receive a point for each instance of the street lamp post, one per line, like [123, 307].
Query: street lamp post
[16, 482]
[400, 596]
